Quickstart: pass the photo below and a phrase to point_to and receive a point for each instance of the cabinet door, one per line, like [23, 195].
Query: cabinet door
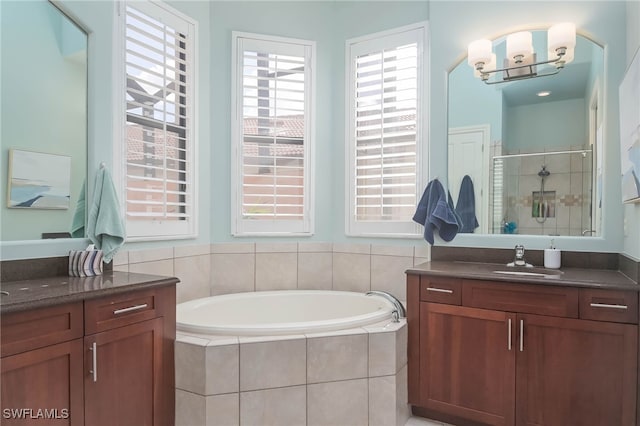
[575, 372]
[123, 373]
[467, 363]
[43, 386]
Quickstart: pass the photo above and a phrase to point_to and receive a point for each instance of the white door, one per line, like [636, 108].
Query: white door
[469, 155]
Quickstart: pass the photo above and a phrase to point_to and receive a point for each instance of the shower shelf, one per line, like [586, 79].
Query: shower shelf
[548, 208]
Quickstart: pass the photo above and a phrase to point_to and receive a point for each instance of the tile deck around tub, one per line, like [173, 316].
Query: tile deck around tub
[355, 376]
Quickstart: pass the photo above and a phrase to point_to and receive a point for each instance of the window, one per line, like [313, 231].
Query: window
[385, 130]
[158, 166]
[272, 135]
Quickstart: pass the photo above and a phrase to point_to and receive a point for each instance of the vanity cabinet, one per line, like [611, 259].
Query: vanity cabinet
[499, 353]
[125, 381]
[42, 366]
[111, 362]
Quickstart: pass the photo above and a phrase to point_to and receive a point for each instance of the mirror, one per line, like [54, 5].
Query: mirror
[533, 161]
[44, 121]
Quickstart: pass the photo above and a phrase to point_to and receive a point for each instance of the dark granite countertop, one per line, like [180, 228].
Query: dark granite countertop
[42, 292]
[570, 277]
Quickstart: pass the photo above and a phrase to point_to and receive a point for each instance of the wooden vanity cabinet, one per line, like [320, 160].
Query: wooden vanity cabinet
[576, 372]
[465, 367]
[115, 369]
[42, 366]
[518, 354]
[127, 377]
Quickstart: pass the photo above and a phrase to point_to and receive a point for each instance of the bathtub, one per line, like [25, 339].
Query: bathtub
[281, 312]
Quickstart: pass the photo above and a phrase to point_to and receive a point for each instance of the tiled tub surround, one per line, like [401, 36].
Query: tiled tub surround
[348, 377]
[209, 270]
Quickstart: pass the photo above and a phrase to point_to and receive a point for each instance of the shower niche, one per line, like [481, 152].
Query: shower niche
[543, 204]
[542, 193]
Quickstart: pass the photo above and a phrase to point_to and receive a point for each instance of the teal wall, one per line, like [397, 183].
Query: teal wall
[462, 87]
[46, 113]
[329, 24]
[524, 134]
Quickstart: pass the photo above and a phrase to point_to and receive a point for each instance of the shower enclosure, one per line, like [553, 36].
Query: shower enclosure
[544, 193]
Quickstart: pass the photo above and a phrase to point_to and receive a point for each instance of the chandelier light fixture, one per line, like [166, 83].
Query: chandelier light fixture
[520, 61]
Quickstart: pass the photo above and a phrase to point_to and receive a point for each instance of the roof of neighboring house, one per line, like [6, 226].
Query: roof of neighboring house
[289, 126]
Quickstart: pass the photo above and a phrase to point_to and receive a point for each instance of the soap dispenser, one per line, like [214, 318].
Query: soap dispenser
[552, 257]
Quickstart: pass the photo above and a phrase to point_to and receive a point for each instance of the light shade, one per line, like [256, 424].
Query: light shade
[561, 35]
[479, 51]
[519, 44]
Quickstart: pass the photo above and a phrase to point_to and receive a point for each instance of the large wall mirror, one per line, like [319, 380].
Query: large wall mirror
[531, 148]
[44, 122]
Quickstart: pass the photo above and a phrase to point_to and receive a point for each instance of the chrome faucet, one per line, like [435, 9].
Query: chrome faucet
[398, 309]
[588, 231]
[519, 258]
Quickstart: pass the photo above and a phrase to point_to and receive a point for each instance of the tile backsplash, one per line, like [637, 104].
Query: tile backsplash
[214, 269]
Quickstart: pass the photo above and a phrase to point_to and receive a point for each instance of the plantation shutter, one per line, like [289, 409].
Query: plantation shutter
[159, 147]
[496, 195]
[274, 120]
[385, 132]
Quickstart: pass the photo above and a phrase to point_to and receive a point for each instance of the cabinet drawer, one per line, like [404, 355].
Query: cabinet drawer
[524, 298]
[609, 305]
[441, 290]
[24, 331]
[115, 311]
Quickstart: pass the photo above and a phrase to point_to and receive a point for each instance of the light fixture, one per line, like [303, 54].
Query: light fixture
[543, 93]
[520, 61]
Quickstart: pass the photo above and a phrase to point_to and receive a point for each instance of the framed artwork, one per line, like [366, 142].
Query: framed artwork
[630, 131]
[38, 180]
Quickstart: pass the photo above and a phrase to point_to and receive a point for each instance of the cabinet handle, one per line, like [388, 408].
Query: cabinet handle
[521, 335]
[604, 305]
[509, 335]
[129, 309]
[439, 290]
[94, 357]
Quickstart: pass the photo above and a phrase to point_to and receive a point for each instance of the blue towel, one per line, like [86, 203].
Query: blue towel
[79, 216]
[435, 212]
[453, 210]
[104, 225]
[466, 207]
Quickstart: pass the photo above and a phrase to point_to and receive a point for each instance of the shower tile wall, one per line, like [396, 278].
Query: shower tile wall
[570, 178]
[206, 270]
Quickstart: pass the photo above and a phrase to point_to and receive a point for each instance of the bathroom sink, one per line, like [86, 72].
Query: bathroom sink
[530, 272]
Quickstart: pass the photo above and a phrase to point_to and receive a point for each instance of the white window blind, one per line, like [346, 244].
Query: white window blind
[272, 136]
[385, 131]
[159, 151]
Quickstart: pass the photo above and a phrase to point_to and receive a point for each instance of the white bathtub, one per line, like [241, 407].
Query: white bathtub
[281, 312]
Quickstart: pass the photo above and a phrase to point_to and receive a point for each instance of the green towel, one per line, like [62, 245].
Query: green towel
[79, 216]
[104, 225]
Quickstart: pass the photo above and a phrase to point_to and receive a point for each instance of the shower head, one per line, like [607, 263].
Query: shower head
[544, 172]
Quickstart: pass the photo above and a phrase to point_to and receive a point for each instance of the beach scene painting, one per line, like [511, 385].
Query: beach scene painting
[630, 131]
[38, 180]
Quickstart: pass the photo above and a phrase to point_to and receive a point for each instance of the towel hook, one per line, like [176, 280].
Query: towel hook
[102, 165]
